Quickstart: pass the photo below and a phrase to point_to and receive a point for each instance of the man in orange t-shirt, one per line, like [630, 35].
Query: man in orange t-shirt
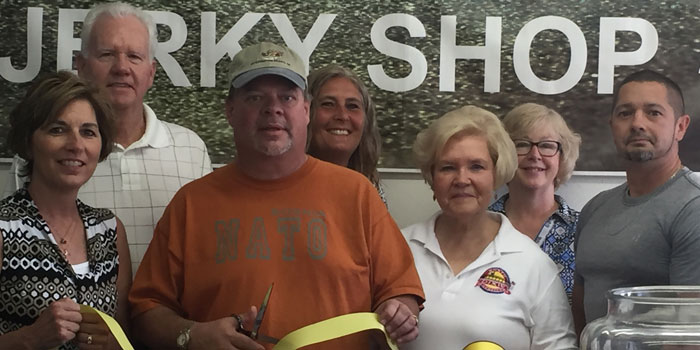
[318, 231]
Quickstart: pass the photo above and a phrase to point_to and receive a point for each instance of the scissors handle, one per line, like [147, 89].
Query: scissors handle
[239, 327]
[261, 337]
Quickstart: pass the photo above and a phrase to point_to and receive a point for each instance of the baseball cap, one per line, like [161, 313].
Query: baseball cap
[267, 58]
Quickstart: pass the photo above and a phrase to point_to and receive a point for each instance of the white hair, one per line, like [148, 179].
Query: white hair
[466, 121]
[115, 10]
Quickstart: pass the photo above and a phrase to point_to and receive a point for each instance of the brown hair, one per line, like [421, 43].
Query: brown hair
[674, 95]
[45, 101]
[365, 157]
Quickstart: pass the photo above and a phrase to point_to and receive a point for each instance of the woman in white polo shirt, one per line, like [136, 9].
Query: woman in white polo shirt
[485, 282]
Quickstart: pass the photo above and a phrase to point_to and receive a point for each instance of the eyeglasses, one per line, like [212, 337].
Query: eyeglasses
[547, 148]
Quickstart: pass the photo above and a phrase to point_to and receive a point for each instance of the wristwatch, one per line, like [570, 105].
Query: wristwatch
[183, 339]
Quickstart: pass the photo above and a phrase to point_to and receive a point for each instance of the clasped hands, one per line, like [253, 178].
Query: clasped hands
[63, 322]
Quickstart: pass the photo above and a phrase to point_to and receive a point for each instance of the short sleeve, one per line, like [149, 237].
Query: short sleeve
[684, 266]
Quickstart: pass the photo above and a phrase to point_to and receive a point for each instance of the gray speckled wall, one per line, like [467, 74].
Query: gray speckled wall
[402, 115]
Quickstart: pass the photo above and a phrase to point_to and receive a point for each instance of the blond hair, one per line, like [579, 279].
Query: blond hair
[527, 117]
[467, 120]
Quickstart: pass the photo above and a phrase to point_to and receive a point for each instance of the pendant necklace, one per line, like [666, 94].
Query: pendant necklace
[62, 242]
[61, 246]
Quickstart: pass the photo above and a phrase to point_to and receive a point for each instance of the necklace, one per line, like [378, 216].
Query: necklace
[62, 241]
[676, 172]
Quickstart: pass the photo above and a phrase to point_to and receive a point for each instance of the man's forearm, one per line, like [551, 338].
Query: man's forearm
[159, 328]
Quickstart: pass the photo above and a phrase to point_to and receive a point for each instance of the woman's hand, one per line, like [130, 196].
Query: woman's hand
[57, 324]
[94, 334]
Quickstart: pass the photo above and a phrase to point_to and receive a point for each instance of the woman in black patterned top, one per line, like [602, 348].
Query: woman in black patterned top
[57, 252]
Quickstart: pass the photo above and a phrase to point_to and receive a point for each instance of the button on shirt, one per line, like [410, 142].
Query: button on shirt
[510, 295]
[556, 238]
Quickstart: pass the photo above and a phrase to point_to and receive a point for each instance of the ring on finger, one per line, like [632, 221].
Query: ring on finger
[415, 318]
[89, 339]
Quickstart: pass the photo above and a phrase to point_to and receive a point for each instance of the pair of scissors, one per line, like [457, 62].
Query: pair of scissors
[253, 334]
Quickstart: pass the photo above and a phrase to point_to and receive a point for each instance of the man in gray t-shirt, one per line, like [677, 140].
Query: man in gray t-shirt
[647, 230]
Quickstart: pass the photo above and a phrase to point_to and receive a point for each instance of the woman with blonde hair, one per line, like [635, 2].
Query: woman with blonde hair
[485, 282]
[343, 128]
[547, 152]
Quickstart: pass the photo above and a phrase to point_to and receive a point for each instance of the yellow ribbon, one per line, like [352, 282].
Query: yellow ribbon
[483, 345]
[332, 328]
[113, 327]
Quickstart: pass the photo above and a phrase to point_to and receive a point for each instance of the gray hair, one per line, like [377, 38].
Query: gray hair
[115, 10]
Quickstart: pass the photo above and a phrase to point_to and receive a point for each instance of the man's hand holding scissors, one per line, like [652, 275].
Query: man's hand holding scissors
[240, 331]
[223, 334]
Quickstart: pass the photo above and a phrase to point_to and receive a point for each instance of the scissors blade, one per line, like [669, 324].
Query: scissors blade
[261, 313]
[266, 339]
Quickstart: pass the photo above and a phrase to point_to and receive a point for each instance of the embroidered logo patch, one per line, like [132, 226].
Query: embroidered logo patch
[271, 54]
[495, 280]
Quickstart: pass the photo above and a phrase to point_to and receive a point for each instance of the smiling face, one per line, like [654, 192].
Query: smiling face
[338, 119]
[463, 176]
[269, 116]
[536, 171]
[643, 124]
[118, 60]
[65, 152]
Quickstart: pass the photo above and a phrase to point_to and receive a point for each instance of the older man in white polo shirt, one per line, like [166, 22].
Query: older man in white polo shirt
[151, 159]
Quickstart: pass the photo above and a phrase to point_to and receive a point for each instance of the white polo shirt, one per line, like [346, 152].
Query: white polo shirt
[511, 295]
[137, 182]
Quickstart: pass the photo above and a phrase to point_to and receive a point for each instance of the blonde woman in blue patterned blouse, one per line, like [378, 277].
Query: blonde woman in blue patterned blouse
[547, 152]
[55, 251]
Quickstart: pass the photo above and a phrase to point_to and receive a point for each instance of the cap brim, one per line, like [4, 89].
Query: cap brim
[246, 77]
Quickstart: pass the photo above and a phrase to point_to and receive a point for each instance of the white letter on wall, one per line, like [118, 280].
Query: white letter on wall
[521, 55]
[178, 35]
[490, 53]
[291, 38]
[212, 51]
[419, 65]
[35, 17]
[66, 43]
[608, 58]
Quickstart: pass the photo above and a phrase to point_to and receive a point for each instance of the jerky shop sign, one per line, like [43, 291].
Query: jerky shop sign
[214, 49]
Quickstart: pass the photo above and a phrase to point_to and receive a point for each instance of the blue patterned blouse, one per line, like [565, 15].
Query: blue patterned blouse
[556, 238]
